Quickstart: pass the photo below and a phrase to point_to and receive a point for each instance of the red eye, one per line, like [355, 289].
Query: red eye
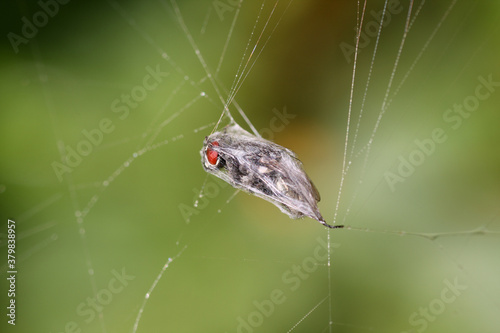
[212, 155]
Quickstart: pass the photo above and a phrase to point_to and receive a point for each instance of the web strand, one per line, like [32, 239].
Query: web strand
[360, 25]
[307, 314]
[226, 43]
[152, 288]
[346, 142]
[365, 149]
[43, 76]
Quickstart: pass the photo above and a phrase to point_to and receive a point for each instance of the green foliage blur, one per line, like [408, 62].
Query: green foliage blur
[103, 113]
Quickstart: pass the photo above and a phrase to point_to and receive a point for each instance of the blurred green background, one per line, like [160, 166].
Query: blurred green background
[123, 209]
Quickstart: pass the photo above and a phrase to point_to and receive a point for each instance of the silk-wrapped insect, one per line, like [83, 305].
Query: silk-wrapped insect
[262, 168]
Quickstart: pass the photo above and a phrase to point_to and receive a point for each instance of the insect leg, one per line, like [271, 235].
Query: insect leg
[331, 226]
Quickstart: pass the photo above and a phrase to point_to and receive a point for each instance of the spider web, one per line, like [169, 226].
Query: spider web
[137, 238]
